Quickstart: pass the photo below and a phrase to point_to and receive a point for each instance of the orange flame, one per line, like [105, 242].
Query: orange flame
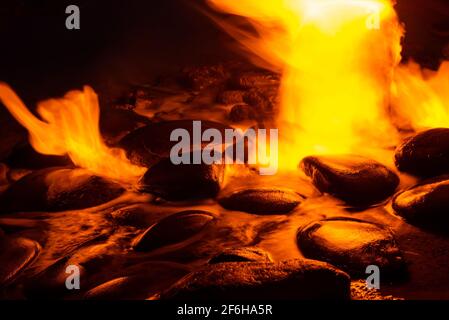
[70, 125]
[337, 67]
[420, 97]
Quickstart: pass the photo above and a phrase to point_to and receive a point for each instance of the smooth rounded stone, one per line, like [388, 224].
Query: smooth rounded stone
[15, 255]
[261, 200]
[139, 282]
[242, 112]
[24, 156]
[140, 215]
[58, 189]
[50, 282]
[354, 179]
[426, 154]
[173, 229]
[352, 245]
[248, 254]
[151, 143]
[426, 204]
[285, 280]
[183, 181]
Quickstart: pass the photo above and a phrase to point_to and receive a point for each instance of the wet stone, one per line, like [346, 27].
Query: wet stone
[137, 215]
[58, 189]
[425, 154]
[151, 143]
[356, 180]
[173, 229]
[15, 255]
[50, 282]
[248, 254]
[426, 204]
[352, 245]
[262, 200]
[292, 279]
[139, 282]
[242, 112]
[184, 181]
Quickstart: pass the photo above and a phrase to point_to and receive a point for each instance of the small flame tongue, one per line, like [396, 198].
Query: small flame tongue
[70, 125]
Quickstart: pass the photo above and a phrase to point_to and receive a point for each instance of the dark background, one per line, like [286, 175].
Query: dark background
[133, 41]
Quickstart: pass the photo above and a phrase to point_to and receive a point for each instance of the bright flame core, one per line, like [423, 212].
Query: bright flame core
[70, 125]
[337, 59]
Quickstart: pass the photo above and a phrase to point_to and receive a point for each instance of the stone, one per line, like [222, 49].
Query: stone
[425, 154]
[426, 204]
[246, 254]
[352, 245]
[141, 215]
[58, 189]
[139, 282]
[261, 200]
[354, 179]
[242, 112]
[285, 280]
[50, 282]
[173, 229]
[151, 143]
[15, 254]
[184, 181]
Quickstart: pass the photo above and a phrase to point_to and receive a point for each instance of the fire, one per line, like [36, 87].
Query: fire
[420, 97]
[337, 59]
[70, 125]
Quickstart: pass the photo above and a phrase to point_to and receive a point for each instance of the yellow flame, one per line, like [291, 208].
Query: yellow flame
[70, 125]
[337, 59]
[420, 97]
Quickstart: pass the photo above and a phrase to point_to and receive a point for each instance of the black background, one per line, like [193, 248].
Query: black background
[133, 41]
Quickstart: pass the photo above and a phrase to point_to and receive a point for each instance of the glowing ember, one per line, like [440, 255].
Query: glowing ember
[70, 125]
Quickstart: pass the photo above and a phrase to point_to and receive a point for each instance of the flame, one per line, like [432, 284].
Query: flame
[337, 70]
[420, 97]
[70, 125]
